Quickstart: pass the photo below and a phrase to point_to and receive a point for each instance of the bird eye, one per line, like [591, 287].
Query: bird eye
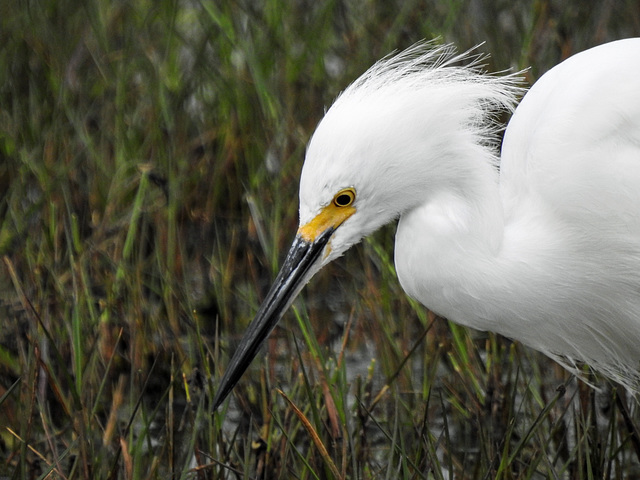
[345, 197]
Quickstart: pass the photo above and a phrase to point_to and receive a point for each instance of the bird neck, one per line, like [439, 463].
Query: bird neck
[447, 246]
[462, 211]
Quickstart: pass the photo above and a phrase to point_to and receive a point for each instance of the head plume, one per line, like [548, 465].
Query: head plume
[407, 127]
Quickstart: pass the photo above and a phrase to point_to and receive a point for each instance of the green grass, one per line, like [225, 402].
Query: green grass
[149, 161]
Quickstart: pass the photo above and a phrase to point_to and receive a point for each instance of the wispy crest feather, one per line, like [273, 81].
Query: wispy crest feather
[427, 65]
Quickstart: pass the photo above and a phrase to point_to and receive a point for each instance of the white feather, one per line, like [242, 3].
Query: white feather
[548, 250]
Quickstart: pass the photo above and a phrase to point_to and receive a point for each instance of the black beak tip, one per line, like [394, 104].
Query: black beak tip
[220, 397]
[295, 271]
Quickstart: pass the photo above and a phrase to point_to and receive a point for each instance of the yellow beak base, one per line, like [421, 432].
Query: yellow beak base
[330, 216]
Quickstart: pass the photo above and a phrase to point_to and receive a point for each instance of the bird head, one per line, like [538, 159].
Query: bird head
[387, 143]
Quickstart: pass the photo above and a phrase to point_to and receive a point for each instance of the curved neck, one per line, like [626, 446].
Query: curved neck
[448, 246]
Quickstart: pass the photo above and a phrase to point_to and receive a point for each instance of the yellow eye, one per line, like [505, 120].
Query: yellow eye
[344, 197]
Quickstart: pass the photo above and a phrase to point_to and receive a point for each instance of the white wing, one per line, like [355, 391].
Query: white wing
[574, 141]
[571, 165]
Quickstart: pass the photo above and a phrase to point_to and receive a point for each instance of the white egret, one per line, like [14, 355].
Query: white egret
[541, 245]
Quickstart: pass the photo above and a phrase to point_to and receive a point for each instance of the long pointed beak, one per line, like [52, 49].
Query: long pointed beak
[296, 271]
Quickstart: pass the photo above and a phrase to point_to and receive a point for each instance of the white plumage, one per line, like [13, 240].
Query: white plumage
[541, 245]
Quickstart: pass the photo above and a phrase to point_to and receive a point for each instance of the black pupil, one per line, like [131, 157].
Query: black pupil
[343, 200]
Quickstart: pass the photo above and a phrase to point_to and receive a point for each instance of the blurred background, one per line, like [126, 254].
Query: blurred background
[149, 161]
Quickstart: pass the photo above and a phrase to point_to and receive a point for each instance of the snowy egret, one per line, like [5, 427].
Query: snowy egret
[541, 245]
